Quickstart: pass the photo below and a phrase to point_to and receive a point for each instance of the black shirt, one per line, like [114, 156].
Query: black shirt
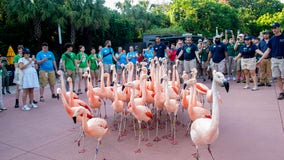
[189, 51]
[248, 52]
[181, 58]
[276, 44]
[160, 50]
[218, 52]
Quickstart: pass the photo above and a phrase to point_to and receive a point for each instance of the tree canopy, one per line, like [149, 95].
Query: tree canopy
[90, 23]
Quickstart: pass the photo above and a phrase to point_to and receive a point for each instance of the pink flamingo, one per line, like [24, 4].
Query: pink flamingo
[118, 107]
[159, 100]
[94, 100]
[171, 106]
[204, 130]
[140, 112]
[63, 89]
[75, 102]
[94, 127]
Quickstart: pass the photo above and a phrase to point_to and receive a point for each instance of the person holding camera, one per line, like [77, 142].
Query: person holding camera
[231, 67]
[5, 76]
[30, 79]
[47, 67]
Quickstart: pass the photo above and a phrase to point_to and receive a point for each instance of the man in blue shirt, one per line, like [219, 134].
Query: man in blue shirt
[218, 52]
[107, 55]
[190, 53]
[159, 48]
[276, 51]
[46, 61]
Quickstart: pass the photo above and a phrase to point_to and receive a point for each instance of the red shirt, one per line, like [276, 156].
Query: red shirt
[140, 58]
[172, 54]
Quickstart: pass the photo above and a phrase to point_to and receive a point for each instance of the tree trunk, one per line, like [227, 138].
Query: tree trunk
[73, 34]
[37, 28]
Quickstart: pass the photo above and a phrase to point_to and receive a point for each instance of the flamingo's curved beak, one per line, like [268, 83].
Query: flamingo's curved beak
[149, 78]
[226, 85]
[184, 86]
[74, 119]
[123, 87]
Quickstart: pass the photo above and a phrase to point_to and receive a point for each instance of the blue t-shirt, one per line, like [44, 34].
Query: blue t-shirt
[189, 51]
[276, 44]
[121, 60]
[218, 52]
[132, 57]
[148, 54]
[248, 52]
[181, 58]
[106, 54]
[160, 50]
[47, 65]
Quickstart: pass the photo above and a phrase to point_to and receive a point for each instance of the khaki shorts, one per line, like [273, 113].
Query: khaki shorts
[107, 68]
[248, 63]
[203, 65]
[238, 65]
[277, 67]
[119, 70]
[83, 70]
[71, 74]
[189, 65]
[219, 67]
[180, 67]
[45, 76]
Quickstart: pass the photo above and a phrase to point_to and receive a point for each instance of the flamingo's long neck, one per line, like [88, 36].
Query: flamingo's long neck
[71, 101]
[143, 89]
[190, 101]
[65, 104]
[177, 77]
[84, 122]
[63, 89]
[215, 105]
[157, 90]
[123, 77]
[115, 91]
[102, 77]
[132, 98]
[167, 91]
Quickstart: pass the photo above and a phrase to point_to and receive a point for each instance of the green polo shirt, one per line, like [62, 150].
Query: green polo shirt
[69, 58]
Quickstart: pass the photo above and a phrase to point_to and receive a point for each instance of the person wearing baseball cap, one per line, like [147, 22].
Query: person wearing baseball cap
[276, 51]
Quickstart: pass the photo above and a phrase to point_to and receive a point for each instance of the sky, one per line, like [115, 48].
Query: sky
[111, 3]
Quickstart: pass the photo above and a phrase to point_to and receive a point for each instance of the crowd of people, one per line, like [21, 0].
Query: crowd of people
[245, 59]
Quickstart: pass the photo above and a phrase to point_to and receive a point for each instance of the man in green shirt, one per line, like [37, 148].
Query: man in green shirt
[68, 63]
[238, 45]
[231, 68]
[18, 75]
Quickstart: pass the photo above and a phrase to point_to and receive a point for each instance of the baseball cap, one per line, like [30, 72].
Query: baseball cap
[205, 41]
[200, 40]
[248, 38]
[275, 24]
[266, 32]
[241, 35]
[20, 46]
[44, 44]
[26, 51]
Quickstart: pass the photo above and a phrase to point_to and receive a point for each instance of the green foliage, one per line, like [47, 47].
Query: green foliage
[178, 30]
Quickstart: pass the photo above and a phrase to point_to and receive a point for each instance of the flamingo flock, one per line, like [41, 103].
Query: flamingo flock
[151, 100]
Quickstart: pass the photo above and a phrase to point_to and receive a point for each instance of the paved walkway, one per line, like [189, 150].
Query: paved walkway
[251, 127]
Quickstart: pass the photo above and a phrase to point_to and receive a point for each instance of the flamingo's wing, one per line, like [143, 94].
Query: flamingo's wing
[149, 114]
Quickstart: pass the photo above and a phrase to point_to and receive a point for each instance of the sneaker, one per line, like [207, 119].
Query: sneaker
[238, 81]
[41, 99]
[86, 89]
[268, 84]
[261, 84]
[281, 96]
[79, 91]
[34, 101]
[246, 87]
[33, 105]
[228, 78]
[8, 92]
[16, 105]
[243, 81]
[255, 88]
[3, 108]
[53, 96]
[234, 78]
[26, 108]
